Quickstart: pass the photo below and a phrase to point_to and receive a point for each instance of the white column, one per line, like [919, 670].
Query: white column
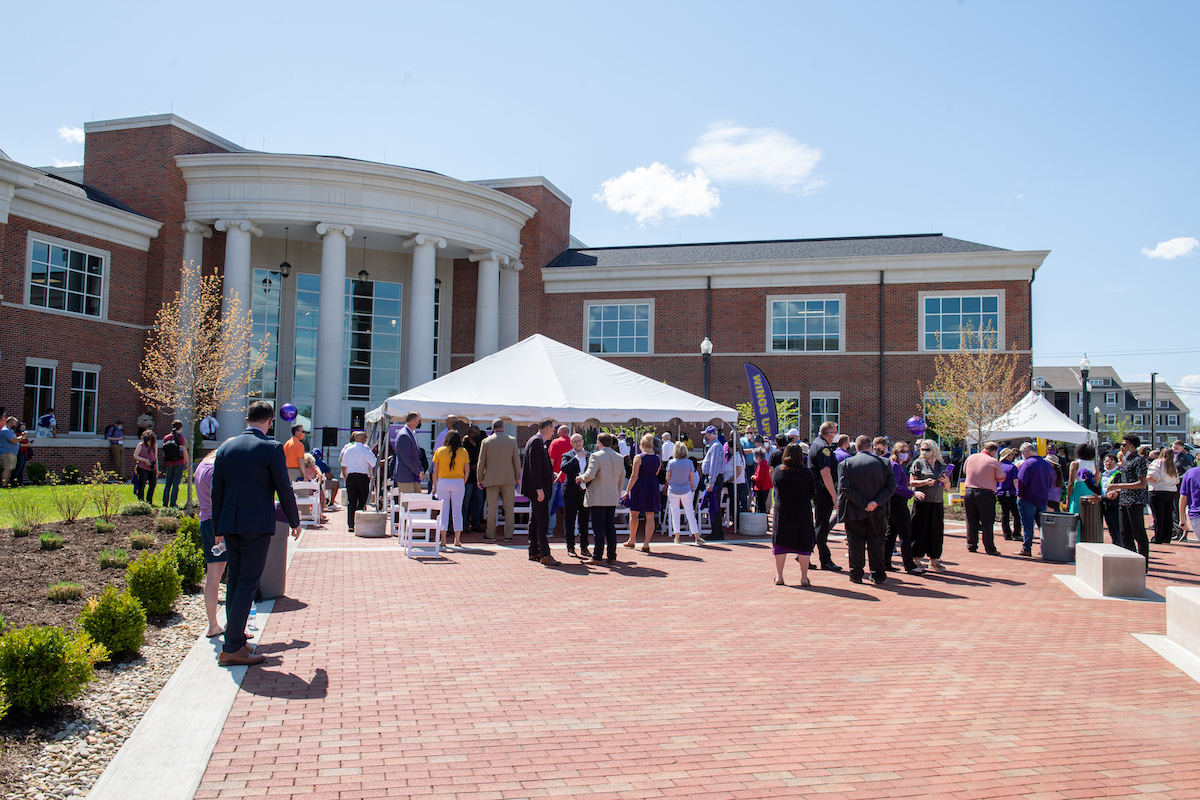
[419, 330]
[194, 234]
[236, 284]
[510, 304]
[331, 325]
[487, 302]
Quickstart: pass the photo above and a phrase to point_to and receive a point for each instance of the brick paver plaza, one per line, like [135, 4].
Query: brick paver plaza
[687, 673]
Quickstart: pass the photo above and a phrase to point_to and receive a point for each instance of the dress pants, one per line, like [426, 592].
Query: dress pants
[1161, 504]
[118, 456]
[604, 529]
[867, 534]
[539, 525]
[358, 489]
[715, 521]
[980, 506]
[495, 495]
[574, 514]
[1112, 518]
[1133, 531]
[682, 504]
[899, 527]
[822, 509]
[450, 491]
[247, 556]
[1008, 511]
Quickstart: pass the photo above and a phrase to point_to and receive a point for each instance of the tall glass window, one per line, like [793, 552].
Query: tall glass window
[264, 317]
[372, 340]
[437, 324]
[824, 408]
[806, 325]
[39, 393]
[304, 369]
[948, 318]
[84, 389]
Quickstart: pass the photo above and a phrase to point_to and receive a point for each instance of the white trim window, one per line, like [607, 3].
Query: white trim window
[944, 317]
[1139, 419]
[372, 355]
[1110, 398]
[85, 389]
[619, 328]
[787, 409]
[806, 323]
[1110, 419]
[39, 389]
[1143, 403]
[66, 278]
[1162, 403]
[1172, 420]
[823, 407]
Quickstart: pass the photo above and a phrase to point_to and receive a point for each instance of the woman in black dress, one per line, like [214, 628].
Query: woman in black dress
[792, 524]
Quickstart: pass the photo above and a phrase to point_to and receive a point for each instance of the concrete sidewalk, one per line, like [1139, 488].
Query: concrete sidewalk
[687, 673]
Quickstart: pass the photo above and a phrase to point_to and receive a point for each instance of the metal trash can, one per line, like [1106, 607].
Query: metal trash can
[274, 574]
[1059, 534]
[1091, 523]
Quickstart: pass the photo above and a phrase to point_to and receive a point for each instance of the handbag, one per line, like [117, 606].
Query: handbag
[624, 501]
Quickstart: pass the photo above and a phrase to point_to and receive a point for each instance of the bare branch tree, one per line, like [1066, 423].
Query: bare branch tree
[973, 388]
[197, 359]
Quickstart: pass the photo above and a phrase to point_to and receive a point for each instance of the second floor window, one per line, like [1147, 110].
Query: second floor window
[618, 328]
[65, 279]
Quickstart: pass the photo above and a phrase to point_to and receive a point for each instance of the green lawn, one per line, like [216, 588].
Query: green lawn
[44, 501]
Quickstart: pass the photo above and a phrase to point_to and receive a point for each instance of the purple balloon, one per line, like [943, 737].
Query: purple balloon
[915, 425]
[288, 412]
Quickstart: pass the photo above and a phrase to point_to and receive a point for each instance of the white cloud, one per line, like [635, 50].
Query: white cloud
[69, 134]
[653, 192]
[1190, 382]
[1173, 248]
[58, 162]
[729, 152]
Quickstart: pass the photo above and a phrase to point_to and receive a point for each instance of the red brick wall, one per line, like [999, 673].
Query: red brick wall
[69, 338]
[137, 167]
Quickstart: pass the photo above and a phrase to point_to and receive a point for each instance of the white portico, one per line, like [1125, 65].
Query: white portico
[374, 246]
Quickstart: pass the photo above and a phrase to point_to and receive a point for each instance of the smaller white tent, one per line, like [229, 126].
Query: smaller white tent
[539, 377]
[1035, 417]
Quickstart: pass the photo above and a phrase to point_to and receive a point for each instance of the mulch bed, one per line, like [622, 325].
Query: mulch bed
[26, 571]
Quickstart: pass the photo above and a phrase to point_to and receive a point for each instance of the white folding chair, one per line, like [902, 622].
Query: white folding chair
[522, 513]
[418, 516]
[394, 520]
[308, 501]
[405, 499]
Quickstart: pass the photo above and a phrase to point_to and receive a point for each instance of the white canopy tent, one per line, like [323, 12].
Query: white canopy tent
[1035, 417]
[540, 377]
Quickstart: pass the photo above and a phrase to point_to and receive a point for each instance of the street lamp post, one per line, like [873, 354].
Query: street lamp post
[1084, 366]
[706, 352]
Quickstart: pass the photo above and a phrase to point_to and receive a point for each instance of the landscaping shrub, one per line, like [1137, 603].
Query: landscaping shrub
[190, 527]
[111, 557]
[138, 508]
[70, 474]
[103, 527]
[115, 620]
[62, 591]
[51, 541]
[68, 500]
[37, 472]
[170, 511]
[154, 581]
[20, 531]
[44, 666]
[104, 488]
[23, 507]
[189, 560]
[141, 541]
[167, 524]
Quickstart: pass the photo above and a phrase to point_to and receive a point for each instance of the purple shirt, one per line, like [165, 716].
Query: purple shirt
[841, 455]
[1190, 488]
[1035, 479]
[1008, 488]
[902, 490]
[203, 477]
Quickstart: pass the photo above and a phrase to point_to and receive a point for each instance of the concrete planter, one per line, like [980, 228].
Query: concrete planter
[370, 524]
[752, 524]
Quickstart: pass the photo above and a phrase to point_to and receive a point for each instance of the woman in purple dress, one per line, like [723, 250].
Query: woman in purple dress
[792, 525]
[644, 496]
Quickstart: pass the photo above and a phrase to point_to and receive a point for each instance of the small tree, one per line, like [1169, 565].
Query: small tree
[787, 414]
[198, 359]
[1120, 429]
[105, 492]
[973, 388]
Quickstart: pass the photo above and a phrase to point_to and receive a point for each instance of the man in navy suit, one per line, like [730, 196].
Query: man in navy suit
[537, 483]
[249, 472]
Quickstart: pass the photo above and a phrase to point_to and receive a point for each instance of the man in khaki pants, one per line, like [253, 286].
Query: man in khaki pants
[498, 470]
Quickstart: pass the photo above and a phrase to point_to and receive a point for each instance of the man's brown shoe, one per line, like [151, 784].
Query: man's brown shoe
[550, 562]
[241, 658]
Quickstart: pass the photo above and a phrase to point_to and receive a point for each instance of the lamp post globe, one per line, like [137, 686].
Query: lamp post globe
[706, 349]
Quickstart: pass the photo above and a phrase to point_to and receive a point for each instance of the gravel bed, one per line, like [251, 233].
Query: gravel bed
[99, 723]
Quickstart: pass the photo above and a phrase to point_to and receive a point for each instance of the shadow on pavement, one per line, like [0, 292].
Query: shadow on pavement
[833, 591]
[275, 648]
[265, 683]
[285, 604]
[674, 556]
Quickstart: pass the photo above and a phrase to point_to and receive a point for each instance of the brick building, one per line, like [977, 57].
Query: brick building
[373, 278]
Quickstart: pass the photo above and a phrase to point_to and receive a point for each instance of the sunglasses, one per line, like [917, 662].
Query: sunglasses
[926, 449]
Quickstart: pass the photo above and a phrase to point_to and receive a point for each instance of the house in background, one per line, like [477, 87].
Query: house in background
[1115, 399]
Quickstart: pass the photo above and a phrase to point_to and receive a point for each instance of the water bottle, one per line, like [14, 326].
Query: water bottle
[252, 624]
[218, 549]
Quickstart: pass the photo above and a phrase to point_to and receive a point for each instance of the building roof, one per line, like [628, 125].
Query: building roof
[96, 196]
[769, 250]
[1067, 379]
[1161, 392]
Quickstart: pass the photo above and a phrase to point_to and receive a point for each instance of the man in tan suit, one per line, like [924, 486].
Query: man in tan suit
[605, 471]
[497, 473]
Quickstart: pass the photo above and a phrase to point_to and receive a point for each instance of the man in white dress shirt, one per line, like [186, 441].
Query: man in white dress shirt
[357, 463]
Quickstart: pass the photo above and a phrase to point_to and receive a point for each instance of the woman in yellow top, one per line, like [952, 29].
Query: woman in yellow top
[449, 481]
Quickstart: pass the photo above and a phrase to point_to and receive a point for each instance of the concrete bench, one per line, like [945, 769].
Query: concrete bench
[1183, 617]
[1110, 570]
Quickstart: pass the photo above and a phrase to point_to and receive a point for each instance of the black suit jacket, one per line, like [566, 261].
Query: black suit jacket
[536, 473]
[862, 478]
[571, 469]
[249, 471]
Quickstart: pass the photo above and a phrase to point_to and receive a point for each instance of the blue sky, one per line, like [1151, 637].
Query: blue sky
[1067, 126]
